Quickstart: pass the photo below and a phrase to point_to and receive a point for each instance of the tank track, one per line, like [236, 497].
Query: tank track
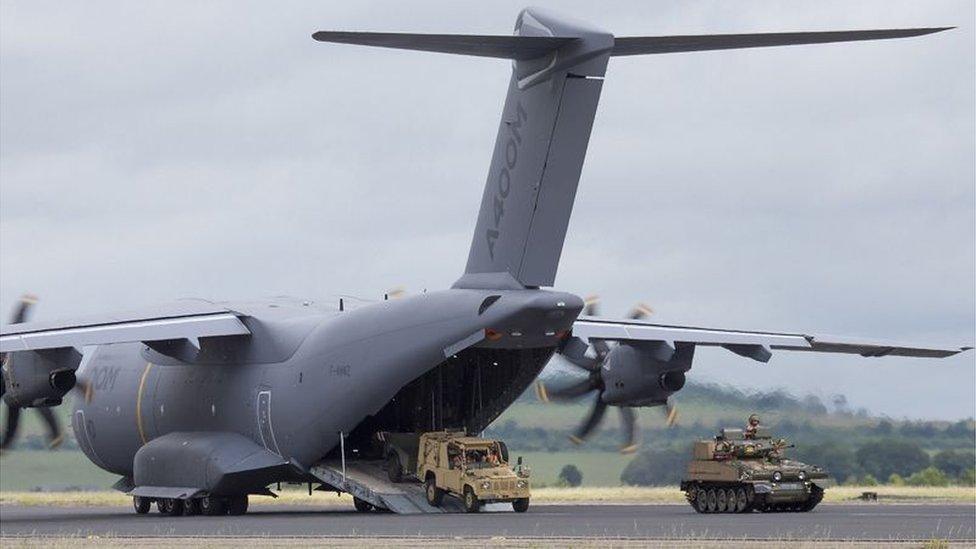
[740, 498]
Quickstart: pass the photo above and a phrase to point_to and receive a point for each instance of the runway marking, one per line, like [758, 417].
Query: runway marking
[142, 385]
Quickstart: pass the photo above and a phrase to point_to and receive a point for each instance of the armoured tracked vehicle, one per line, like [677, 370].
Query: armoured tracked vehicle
[738, 474]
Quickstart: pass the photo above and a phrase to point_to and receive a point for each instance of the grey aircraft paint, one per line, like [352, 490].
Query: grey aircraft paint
[203, 398]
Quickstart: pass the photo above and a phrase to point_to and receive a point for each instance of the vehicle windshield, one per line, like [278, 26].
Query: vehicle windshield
[482, 458]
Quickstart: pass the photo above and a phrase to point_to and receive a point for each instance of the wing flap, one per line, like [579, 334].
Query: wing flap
[30, 337]
[750, 343]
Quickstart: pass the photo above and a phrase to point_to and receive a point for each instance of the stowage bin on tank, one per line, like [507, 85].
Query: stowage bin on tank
[738, 474]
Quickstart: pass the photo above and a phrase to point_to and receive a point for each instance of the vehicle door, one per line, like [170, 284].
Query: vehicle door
[453, 467]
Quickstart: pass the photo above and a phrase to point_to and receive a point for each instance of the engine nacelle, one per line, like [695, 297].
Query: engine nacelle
[645, 374]
[33, 379]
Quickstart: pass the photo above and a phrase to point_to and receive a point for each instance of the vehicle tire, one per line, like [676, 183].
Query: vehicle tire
[169, 506]
[741, 501]
[393, 468]
[361, 505]
[712, 499]
[521, 505]
[471, 503]
[212, 506]
[141, 504]
[434, 494]
[191, 507]
[701, 501]
[237, 505]
[721, 500]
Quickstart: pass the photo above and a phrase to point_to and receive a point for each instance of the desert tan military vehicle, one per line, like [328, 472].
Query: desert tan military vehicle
[736, 474]
[471, 468]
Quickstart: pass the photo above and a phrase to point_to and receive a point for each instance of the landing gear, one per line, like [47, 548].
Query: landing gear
[212, 506]
[170, 507]
[141, 504]
[191, 507]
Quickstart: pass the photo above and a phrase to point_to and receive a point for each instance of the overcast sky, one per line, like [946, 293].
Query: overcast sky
[150, 151]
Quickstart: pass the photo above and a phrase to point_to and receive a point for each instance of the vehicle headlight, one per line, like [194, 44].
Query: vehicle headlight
[802, 475]
[522, 484]
[486, 485]
[777, 476]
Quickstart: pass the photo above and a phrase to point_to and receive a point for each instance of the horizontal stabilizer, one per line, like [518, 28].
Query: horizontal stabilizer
[639, 45]
[506, 47]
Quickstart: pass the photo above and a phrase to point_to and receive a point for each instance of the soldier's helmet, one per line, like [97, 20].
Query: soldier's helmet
[754, 419]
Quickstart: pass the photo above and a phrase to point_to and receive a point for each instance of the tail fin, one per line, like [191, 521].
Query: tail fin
[557, 75]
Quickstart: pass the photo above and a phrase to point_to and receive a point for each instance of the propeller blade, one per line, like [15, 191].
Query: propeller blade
[10, 430]
[396, 293]
[23, 309]
[55, 436]
[592, 305]
[671, 413]
[569, 392]
[574, 351]
[592, 421]
[602, 349]
[641, 310]
[628, 425]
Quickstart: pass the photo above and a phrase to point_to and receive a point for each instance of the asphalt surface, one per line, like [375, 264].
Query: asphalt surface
[827, 522]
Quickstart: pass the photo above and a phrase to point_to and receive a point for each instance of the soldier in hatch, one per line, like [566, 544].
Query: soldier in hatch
[752, 426]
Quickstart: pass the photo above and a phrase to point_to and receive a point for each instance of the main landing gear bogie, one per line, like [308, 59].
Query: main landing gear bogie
[207, 505]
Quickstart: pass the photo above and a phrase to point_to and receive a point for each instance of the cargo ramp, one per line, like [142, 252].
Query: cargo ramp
[368, 481]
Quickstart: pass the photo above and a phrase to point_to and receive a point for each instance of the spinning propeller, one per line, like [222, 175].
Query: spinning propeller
[594, 382]
[55, 435]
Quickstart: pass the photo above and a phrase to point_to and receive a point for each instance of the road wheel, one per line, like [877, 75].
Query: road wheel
[471, 503]
[434, 494]
[141, 504]
[712, 499]
[721, 500]
[816, 495]
[730, 500]
[701, 501]
[191, 507]
[361, 505]
[237, 505]
[393, 468]
[170, 506]
[212, 506]
[741, 500]
[521, 505]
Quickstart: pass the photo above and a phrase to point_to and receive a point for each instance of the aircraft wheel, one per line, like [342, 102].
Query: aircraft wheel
[712, 500]
[471, 503]
[141, 504]
[191, 507]
[701, 501]
[393, 468]
[237, 505]
[521, 505]
[169, 506]
[434, 494]
[361, 505]
[211, 506]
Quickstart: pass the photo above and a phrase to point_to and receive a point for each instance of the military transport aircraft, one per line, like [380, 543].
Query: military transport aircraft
[196, 404]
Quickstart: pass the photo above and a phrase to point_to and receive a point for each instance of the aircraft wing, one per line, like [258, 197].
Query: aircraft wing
[755, 345]
[180, 320]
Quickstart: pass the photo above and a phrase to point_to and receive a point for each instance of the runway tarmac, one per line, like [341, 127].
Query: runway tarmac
[827, 522]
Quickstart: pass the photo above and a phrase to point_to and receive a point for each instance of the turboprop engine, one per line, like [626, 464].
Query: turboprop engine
[640, 374]
[39, 378]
